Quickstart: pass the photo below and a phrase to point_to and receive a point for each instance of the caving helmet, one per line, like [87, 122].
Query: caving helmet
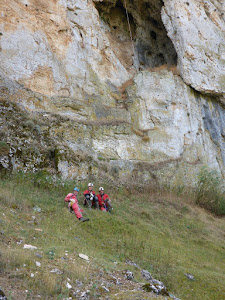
[101, 189]
[76, 189]
[90, 184]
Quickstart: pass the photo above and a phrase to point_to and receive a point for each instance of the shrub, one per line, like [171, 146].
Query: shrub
[4, 148]
[210, 191]
[29, 123]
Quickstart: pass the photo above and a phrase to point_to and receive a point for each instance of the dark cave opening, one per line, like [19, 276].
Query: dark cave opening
[152, 45]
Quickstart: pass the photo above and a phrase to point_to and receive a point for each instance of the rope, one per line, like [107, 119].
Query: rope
[132, 42]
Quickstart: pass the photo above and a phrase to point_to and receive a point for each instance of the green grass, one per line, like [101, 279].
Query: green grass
[157, 230]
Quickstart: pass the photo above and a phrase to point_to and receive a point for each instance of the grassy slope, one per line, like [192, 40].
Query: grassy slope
[158, 231]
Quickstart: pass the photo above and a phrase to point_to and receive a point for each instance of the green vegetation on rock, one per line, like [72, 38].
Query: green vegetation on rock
[4, 148]
[210, 191]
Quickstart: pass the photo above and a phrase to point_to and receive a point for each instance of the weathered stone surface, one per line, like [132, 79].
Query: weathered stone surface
[90, 102]
[146, 275]
[197, 31]
[162, 130]
[175, 117]
[56, 47]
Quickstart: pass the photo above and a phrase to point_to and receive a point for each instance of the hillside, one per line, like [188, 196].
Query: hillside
[128, 94]
[83, 94]
[153, 229]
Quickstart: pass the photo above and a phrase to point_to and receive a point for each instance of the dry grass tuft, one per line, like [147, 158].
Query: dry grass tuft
[146, 138]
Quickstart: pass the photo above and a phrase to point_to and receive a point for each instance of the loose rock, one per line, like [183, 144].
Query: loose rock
[38, 255]
[56, 271]
[38, 264]
[146, 275]
[37, 209]
[2, 295]
[130, 262]
[105, 288]
[83, 256]
[189, 276]
[129, 275]
[30, 247]
[85, 295]
[69, 286]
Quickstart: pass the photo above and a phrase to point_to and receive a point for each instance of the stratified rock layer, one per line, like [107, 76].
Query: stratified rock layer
[97, 97]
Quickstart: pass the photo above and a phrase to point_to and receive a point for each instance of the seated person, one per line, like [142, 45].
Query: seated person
[71, 198]
[105, 203]
[90, 197]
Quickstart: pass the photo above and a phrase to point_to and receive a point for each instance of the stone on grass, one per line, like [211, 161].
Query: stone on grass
[157, 289]
[189, 276]
[37, 209]
[38, 264]
[146, 275]
[30, 247]
[69, 286]
[105, 288]
[129, 275]
[130, 262]
[56, 271]
[85, 295]
[173, 297]
[83, 256]
[79, 283]
[38, 255]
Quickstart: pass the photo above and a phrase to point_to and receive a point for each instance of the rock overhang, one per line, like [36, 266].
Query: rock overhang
[139, 22]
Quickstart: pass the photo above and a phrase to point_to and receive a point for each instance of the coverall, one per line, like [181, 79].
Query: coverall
[103, 201]
[88, 197]
[75, 206]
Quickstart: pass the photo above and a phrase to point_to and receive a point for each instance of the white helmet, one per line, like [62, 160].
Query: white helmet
[101, 189]
[90, 184]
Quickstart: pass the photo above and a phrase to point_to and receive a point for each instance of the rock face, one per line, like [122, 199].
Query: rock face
[96, 95]
[197, 31]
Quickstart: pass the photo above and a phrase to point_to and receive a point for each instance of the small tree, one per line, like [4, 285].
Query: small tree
[210, 191]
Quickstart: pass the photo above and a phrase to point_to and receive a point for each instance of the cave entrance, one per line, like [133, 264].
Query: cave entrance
[152, 46]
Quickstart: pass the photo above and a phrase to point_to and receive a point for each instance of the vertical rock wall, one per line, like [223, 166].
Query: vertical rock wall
[196, 29]
[103, 104]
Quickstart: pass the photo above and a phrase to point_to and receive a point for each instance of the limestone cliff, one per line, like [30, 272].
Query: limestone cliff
[128, 90]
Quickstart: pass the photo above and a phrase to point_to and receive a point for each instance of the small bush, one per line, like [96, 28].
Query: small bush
[210, 191]
[37, 129]
[4, 148]
[29, 123]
